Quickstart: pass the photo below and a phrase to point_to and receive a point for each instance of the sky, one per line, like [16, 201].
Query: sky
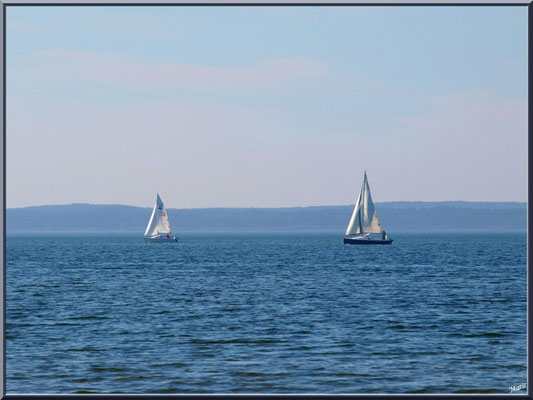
[265, 106]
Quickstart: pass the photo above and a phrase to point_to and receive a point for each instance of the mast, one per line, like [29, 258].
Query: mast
[362, 205]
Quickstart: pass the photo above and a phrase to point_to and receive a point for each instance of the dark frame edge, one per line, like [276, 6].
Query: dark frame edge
[3, 6]
[3, 166]
[266, 396]
[244, 3]
[530, 189]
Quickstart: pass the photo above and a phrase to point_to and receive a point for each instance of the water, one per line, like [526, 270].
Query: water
[266, 313]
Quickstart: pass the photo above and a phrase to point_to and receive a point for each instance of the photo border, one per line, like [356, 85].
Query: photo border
[262, 3]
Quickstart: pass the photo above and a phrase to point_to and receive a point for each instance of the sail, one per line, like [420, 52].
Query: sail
[158, 221]
[369, 218]
[354, 226]
[364, 218]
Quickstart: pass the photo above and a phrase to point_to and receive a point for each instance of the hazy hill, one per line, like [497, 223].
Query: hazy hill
[395, 216]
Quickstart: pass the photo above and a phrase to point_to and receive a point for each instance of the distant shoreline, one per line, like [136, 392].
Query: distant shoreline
[414, 203]
[394, 216]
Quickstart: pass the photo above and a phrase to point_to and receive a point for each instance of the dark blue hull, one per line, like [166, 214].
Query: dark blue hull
[366, 241]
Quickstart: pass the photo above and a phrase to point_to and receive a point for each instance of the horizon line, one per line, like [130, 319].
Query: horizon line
[265, 207]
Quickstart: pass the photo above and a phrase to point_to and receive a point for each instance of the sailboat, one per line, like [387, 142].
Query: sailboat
[364, 227]
[158, 229]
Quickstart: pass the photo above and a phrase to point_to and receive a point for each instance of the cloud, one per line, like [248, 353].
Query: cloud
[473, 144]
[292, 149]
[473, 116]
[63, 69]
[18, 26]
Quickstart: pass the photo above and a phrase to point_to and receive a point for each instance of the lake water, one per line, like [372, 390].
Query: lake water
[266, 313]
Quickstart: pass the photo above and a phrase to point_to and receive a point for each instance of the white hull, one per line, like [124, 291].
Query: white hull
[160, 239]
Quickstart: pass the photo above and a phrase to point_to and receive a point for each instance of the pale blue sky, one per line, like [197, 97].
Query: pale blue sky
[265, 106]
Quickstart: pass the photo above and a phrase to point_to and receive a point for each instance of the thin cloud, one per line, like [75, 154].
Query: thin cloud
[64, 68]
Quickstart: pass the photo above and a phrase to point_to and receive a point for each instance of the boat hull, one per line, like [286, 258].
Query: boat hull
[366, 241]
[160, 240]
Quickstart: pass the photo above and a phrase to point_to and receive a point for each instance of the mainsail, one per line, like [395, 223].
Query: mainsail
[364, 218]
[158, 221]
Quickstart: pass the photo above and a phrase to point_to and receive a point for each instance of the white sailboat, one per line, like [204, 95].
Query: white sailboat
[364, 226]
[158, 229]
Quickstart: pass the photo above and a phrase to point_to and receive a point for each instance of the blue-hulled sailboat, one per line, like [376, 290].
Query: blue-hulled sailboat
[364, 226]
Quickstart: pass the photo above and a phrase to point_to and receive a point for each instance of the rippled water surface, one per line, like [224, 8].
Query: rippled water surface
[266, 313]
